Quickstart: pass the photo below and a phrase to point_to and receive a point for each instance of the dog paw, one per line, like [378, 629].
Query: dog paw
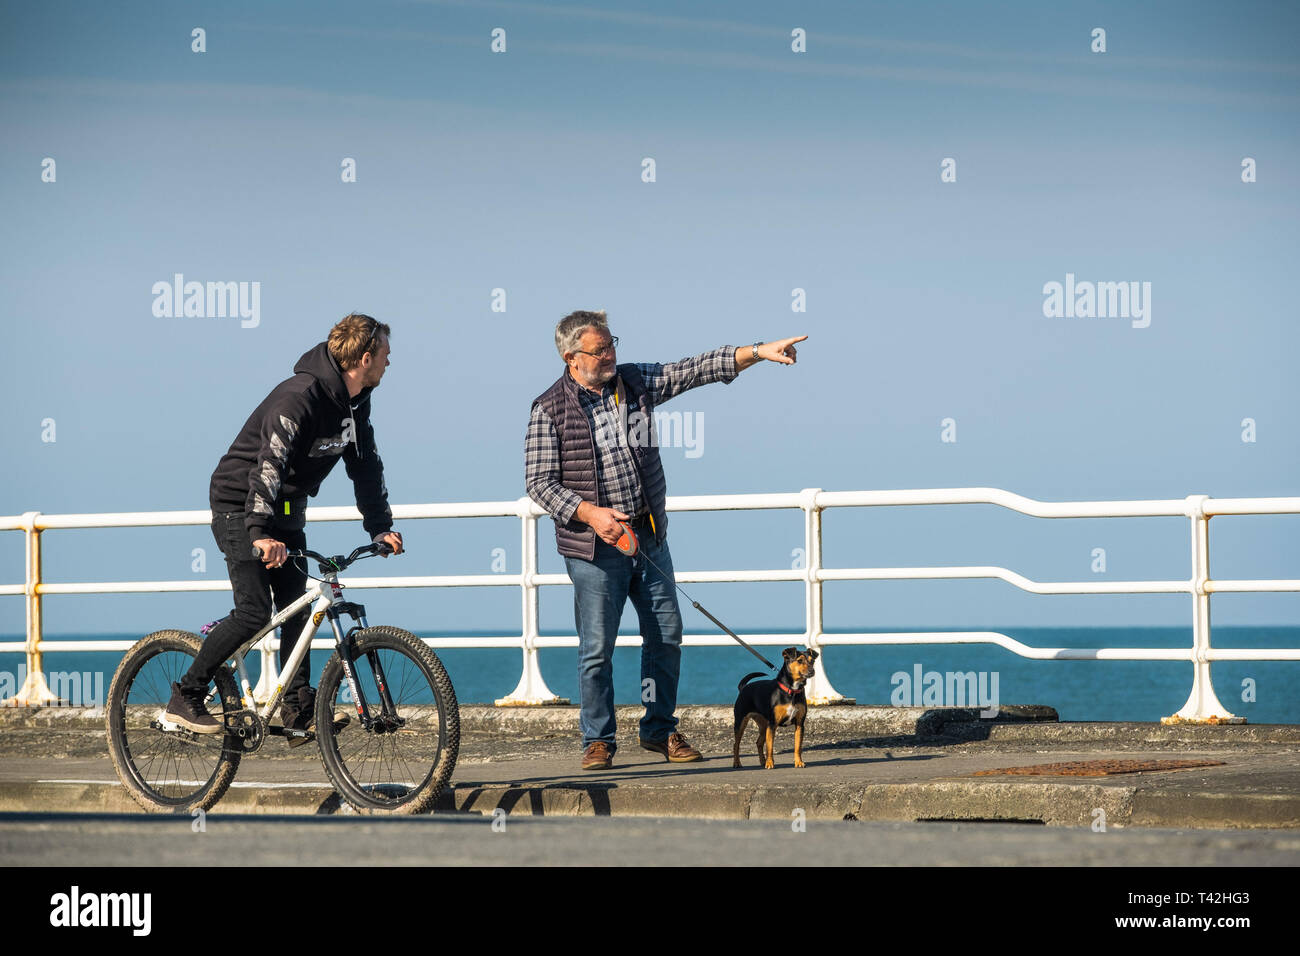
[799, 763]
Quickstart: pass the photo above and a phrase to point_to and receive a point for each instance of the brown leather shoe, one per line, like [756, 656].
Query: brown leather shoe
[675, 748]
[598, 756]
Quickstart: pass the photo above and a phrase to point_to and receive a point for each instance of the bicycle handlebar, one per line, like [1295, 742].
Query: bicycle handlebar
[337, 562]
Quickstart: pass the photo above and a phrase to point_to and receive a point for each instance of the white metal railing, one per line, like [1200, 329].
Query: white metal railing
[1202, 704]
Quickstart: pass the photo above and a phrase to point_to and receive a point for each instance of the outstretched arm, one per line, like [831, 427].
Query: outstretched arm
[781, 351]
[721, 365]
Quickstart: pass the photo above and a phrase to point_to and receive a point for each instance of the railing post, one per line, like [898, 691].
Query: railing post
[819, 690]
[34, 692]
[1202, 705]
[531, 690]
[270, 675]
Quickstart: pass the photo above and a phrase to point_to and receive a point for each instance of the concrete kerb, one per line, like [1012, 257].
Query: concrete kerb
[1215, 810]
[1052, 803]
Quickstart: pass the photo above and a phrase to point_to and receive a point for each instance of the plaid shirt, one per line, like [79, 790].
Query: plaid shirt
[619, 482]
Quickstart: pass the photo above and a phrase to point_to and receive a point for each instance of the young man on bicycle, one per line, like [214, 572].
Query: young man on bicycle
[259, 495]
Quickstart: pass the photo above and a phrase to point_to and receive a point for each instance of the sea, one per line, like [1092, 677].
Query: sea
[1264, 692]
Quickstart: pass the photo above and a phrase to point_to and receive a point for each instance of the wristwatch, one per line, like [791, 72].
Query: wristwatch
[756, 345]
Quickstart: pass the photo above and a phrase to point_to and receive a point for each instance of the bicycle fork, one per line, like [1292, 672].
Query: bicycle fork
[388, 719]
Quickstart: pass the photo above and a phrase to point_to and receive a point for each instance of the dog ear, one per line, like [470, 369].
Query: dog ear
[812, 655]
[790, 653]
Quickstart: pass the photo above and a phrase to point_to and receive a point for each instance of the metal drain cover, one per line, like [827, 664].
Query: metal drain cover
[1099, 768]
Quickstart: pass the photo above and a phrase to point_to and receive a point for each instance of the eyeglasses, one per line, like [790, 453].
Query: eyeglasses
[607, 350]
[371, 341]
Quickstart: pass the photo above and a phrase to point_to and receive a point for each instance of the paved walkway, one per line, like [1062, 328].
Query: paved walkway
[903, 764]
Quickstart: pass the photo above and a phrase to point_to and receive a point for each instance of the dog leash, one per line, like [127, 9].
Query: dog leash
[629, 545]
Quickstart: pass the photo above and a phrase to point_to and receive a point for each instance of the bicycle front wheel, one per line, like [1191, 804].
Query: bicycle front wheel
[167, 770]
[405, 759]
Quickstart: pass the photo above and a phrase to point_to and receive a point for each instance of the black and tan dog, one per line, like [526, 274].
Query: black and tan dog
[775, 703]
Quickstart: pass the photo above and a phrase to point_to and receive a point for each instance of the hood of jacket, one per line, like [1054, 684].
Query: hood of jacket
[320, 365]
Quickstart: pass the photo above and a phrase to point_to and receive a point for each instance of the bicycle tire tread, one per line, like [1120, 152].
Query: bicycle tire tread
[147, 647]
[377, 637]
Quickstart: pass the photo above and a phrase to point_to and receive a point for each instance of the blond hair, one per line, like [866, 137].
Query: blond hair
[353, 337]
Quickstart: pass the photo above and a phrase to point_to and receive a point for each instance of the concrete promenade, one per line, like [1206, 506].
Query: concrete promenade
[865, 763]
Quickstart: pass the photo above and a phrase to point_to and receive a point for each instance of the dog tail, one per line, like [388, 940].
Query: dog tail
[749, 677]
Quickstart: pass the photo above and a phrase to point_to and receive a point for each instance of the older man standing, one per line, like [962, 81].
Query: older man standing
[588, 463]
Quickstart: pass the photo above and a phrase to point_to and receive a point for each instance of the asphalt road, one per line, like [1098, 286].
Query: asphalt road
[76, 840]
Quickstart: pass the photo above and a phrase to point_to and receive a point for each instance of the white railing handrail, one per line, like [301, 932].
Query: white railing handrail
[1202, 703]
[1170, 507]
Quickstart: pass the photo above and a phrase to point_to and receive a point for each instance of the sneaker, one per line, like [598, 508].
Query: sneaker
[300, 716]
[675, 748]
[187, 709]
[598, 756]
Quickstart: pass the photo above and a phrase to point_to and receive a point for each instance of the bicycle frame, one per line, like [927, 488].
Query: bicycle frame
[326, 600]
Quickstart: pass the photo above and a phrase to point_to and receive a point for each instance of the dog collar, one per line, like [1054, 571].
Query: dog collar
[784, 688]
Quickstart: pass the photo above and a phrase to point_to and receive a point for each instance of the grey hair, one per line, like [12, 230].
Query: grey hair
[568, 333]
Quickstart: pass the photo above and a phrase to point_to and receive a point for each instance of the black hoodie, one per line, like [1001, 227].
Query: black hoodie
[292, 441]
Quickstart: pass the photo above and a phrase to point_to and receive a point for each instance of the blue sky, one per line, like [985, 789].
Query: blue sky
[775, 170]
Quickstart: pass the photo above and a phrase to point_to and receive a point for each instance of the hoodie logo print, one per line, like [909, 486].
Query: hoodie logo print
[335, 445]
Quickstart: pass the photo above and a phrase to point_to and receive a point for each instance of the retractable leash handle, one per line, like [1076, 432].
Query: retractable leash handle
[628, 543]
[629, 546]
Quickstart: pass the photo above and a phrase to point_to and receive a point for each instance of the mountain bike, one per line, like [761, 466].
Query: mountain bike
[395, 755]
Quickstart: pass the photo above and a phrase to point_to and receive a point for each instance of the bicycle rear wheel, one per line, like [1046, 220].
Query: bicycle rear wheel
[403, 762]
[167, 771]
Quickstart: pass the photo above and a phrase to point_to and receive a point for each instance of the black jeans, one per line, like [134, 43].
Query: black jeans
[254, 586]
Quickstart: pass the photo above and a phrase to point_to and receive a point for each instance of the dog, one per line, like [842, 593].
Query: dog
[775, 703]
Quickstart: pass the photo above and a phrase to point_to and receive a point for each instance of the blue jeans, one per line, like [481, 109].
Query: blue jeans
[601, 588]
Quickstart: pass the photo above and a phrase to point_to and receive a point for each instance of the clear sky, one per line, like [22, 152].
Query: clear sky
[775, 170]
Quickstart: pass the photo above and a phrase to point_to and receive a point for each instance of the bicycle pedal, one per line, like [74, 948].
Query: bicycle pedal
[294, 738]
